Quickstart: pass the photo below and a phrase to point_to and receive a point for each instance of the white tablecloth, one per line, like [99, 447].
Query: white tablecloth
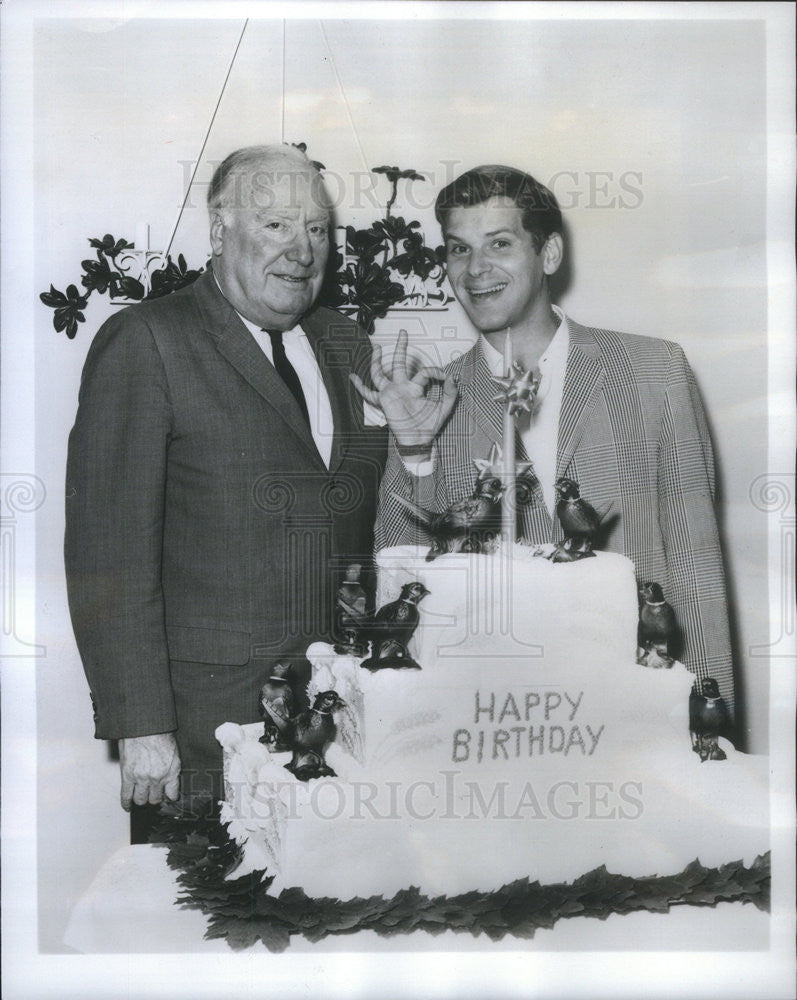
[130, 908]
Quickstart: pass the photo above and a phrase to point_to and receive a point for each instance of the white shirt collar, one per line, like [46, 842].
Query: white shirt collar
[554, 356]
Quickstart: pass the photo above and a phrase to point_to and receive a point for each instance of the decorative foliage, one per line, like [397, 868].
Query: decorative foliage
[242, 911]
[68, 308]
[171, 277]
[382, 266]
[386, 264]
[302, 147]
[111, 272]
[394, 175]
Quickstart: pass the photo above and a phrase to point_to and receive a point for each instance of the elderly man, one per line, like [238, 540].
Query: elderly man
[220, 478]
[618, 414]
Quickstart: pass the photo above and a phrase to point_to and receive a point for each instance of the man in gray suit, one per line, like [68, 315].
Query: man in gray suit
[220, 478]
[619, 414]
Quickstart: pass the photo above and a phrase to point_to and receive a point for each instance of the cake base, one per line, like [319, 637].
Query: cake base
[129, 909]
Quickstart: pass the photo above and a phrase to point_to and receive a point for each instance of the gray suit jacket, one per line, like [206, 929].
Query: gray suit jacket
[202, 525]
[632, 432]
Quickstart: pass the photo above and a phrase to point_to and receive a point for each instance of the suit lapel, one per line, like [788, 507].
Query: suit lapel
[477, 389]
[584, 379]
[237, 345]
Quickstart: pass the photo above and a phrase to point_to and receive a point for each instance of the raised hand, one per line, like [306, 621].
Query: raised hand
[414, 417]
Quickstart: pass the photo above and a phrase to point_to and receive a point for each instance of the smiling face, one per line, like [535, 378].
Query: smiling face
[495, 272]
[270, 242]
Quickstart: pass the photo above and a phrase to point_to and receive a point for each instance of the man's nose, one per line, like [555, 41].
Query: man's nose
[478, 264]
[301, 249]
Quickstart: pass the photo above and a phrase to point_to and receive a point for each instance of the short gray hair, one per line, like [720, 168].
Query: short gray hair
[275, 159]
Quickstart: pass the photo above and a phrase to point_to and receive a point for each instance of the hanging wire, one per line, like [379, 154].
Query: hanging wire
[284, 34]
[207, 136]
[343, 95]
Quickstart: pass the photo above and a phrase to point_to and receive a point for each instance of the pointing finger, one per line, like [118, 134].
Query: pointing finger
[399, 369]
[378, 376]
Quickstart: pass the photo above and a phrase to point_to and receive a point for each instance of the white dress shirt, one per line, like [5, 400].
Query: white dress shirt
[539, 430]
[299, 352]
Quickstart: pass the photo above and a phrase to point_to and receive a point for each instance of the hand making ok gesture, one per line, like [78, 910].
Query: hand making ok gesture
[413, 415]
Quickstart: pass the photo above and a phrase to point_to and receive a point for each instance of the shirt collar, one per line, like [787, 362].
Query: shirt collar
[554, 354]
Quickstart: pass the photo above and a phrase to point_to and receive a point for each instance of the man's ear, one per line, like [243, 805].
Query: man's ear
[552, 253]
[216, 232]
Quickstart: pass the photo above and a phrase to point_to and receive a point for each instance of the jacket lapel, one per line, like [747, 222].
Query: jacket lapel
[477, 389]
[584, 379]
[237, 345]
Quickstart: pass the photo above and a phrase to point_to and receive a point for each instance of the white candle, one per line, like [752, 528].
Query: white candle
[508, 517]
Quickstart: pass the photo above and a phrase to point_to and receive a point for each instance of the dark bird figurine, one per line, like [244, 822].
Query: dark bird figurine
[350, 613]
[392, 628]
[708, 719]
[657, 627]
[308, 735]
[578, 518]
[276, 698]
[571, 550]
[467, 525]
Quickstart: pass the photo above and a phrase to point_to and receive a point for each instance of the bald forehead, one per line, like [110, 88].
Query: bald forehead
[257, 180]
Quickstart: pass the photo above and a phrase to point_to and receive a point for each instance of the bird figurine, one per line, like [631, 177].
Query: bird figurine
[708, 719]
[657, 626]
[468, 525]
[308, 735]
[578, 518]
[571, 550]
[276, 698]
[392, 628]
[350, 613]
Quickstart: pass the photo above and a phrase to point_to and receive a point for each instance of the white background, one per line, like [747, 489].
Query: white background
[664, 110]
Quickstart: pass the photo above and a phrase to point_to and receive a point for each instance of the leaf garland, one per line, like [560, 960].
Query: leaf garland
[103, 275]
[241, 910]
[365, 287]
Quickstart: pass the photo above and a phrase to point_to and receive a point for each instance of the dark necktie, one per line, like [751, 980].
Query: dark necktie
[286, 371]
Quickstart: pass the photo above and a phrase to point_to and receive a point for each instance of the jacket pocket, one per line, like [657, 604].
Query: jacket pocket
[208, 645]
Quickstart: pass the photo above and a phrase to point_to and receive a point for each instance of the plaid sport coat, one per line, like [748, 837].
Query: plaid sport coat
[633, 433]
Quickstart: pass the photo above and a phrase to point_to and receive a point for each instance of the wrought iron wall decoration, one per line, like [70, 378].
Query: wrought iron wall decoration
[386, 266]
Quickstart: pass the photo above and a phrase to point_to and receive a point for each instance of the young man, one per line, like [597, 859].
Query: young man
[618, 414]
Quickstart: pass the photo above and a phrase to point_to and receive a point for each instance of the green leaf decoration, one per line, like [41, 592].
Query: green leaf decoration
[364, 243]
[242, 912]
[362, 286]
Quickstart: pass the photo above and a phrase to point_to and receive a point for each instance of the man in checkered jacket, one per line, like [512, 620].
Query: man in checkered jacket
[619, 414]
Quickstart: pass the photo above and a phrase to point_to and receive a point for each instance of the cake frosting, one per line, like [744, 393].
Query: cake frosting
[530, 744]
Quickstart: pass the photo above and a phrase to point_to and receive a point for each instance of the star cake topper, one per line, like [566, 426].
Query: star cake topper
[493, 465]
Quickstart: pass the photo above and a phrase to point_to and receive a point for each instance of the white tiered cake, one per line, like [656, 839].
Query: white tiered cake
[530, 744]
